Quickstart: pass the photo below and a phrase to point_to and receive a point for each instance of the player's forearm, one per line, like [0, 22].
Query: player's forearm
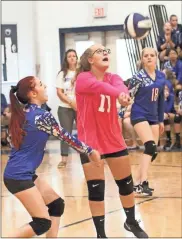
[91, 86]
[47, 123]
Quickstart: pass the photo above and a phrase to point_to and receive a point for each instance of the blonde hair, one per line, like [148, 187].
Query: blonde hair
[140, 64]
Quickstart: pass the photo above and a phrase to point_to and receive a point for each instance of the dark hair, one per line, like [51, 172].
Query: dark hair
[172, 49]
[173, 15]
[65, 65]
[17, 102]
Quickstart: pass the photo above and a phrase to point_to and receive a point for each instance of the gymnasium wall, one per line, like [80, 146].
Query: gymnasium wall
[21, 13]
[38, 23]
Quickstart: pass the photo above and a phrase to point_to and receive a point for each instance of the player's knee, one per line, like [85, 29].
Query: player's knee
[56, 208]
[177, 119]
[40, 225]
[151, 149]
[125, 185]
[96, 189]
[166, 121]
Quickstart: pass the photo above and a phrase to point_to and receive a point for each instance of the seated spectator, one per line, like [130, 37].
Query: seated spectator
[179, 50]
[170, 80]
[177, 124]
[165, 42]
[171, 115]
[176, 28]
[174, 65]
[5, 119]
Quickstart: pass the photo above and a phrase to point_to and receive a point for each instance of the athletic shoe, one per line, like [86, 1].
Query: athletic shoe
[137, 188]
[135, 229]
[145, 189]
[167, 145]
[176, 145]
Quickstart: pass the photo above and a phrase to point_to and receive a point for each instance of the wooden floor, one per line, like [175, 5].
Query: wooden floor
[160, 215]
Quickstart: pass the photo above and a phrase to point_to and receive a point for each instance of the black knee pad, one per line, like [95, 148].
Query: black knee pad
[166, 122]
[125, 185]
[151, 149]
[56, 208]
[40, 225]
[177, 119]
[96, 189]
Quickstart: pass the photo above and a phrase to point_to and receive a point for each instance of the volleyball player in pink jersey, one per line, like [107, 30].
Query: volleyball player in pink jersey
[97, 124]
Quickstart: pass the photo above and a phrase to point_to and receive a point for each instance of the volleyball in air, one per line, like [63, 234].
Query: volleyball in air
[137, 26]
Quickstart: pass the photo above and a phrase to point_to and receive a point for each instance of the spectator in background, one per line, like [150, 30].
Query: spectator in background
[170, 80]
[176, 28]
[174, 65]
[169, 114]
[165, 42]
[66, 93]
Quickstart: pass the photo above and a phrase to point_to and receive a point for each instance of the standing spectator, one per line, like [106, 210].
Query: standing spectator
[65, 92]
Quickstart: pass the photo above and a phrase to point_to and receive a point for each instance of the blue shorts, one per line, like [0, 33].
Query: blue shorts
[142, 119]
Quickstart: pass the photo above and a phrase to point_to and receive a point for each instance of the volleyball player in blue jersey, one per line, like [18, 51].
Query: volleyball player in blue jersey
[147, 113]
[30, 128]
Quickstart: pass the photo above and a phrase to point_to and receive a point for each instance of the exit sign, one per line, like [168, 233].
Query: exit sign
[99, 11]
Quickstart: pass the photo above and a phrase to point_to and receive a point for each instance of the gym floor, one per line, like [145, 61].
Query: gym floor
[160, 215]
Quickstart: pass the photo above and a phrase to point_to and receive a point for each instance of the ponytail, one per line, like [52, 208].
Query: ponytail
[17, 103]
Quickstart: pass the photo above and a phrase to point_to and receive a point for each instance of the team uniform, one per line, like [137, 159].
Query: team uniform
[148, 97]
[97, 116]
[148, 106]
[168, 109]
[177, 69]
[19, 173]
[169, 105]
[98, 126]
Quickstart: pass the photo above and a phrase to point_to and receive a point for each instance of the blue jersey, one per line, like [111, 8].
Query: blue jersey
[148, 96]
[169, 105]
[39, 125]
[177, 69]
[170, 86]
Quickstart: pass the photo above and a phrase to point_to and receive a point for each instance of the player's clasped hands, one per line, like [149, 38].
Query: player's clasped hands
[124, 99]
[95, 158]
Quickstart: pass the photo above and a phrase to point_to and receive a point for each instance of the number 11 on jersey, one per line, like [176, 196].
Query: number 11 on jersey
[102, 103]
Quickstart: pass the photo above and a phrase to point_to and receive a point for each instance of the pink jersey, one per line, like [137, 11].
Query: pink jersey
[97, 116]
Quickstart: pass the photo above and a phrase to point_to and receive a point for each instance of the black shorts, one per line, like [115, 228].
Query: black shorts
[16, 186]
[84, 158]
[136, 121]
